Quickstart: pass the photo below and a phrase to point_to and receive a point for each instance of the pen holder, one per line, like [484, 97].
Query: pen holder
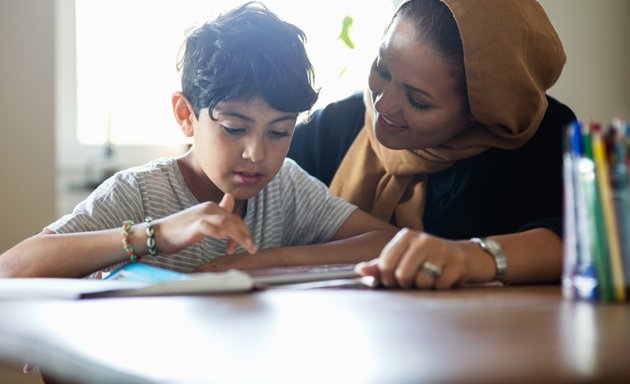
[596, 211]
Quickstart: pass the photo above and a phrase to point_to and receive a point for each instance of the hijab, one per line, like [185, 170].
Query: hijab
[512, 55]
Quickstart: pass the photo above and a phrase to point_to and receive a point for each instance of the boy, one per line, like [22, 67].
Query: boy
[245, 79]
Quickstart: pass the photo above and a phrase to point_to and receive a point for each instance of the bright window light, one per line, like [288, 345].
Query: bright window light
[127, 52]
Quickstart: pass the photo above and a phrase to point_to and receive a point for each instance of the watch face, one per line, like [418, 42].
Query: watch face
[492, 245]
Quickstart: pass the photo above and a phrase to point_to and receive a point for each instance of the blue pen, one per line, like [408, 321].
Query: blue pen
[585, 280]
[570, 248]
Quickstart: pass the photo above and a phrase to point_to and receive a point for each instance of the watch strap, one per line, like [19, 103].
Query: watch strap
[494, 249]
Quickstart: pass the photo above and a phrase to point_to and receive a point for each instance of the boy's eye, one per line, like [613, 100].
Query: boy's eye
[233, 131]
[278, 134]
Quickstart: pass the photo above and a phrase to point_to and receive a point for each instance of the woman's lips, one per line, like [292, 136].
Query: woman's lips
[387, 126]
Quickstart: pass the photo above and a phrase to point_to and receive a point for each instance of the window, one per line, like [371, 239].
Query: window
[126, 54]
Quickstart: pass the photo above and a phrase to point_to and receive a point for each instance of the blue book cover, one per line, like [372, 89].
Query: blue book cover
[144, 273]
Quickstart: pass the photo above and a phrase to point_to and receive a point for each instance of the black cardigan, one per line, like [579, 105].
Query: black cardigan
[495, 192]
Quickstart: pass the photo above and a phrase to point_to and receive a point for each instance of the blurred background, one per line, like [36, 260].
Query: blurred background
[85, 85]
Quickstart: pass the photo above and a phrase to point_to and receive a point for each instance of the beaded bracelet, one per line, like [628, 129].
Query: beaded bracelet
[150, 236]
[125, 240]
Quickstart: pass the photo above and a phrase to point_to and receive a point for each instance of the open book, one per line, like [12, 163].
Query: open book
[136, 279]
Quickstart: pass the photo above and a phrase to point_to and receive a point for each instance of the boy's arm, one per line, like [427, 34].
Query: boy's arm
[49, 254]
[79, 254]
[361, 237]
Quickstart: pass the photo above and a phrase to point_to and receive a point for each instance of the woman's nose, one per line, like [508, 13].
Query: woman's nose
[385, 100]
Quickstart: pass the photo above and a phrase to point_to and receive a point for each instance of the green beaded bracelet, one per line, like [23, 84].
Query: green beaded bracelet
[125, 240]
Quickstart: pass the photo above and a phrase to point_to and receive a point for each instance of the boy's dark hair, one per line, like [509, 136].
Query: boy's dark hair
[245, 53]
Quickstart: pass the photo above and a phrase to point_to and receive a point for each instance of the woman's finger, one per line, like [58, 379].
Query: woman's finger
[423, 280]
[391, 255]
[451, 276]
[417, 253]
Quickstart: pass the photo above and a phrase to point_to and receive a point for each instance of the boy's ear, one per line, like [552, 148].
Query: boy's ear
[184, 114]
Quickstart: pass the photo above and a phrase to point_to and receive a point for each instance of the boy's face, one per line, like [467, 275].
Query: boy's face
[243, 148]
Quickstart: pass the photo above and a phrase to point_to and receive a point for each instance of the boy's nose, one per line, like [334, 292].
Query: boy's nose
[254, 150]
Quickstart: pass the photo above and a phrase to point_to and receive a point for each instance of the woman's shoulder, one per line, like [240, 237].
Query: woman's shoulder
[320, 143]
[558, 114]
[548, 137]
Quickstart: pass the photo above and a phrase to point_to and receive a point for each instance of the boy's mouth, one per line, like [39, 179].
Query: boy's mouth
[248, 177]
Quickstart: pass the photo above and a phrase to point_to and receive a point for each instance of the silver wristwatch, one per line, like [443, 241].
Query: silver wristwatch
[496, 251]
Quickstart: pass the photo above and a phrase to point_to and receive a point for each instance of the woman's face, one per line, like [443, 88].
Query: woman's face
[414, 93]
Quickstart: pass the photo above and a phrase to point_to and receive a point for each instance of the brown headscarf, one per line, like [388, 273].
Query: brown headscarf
[512, 55]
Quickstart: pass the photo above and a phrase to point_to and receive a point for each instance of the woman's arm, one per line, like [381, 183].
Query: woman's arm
[361, 237]
[533, 257]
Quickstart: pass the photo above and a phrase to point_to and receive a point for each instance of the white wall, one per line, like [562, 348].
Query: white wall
[72, 157]
[595, 83]
[27, 142]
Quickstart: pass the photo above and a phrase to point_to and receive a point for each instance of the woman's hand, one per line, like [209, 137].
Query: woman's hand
[417, 259]
[183, 229]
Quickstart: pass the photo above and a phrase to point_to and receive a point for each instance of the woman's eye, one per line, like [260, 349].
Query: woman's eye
[278, 134]
[233, 131]
[382, 72]
[416, 104]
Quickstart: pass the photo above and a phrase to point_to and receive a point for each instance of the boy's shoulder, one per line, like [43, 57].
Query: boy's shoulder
[291, 175]
[290, 170]
[159, 166]
[152, 172]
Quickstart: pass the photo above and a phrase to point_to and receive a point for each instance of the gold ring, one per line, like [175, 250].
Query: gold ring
[431, 269]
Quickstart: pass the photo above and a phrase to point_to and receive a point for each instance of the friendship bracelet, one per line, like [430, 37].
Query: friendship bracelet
[125, 240]
[150, 236]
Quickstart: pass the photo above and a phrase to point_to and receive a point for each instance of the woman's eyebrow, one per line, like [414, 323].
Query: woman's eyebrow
[380, 62]
[419, 90]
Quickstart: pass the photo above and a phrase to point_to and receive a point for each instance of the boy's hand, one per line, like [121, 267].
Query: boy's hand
[227, 203]
[183, 229]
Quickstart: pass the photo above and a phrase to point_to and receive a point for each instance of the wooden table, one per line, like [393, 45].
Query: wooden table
[484, 335]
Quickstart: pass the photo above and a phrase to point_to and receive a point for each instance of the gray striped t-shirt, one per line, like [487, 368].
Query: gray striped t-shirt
[293, 209]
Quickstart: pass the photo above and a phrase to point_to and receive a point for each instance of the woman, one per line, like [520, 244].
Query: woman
[455, 140]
